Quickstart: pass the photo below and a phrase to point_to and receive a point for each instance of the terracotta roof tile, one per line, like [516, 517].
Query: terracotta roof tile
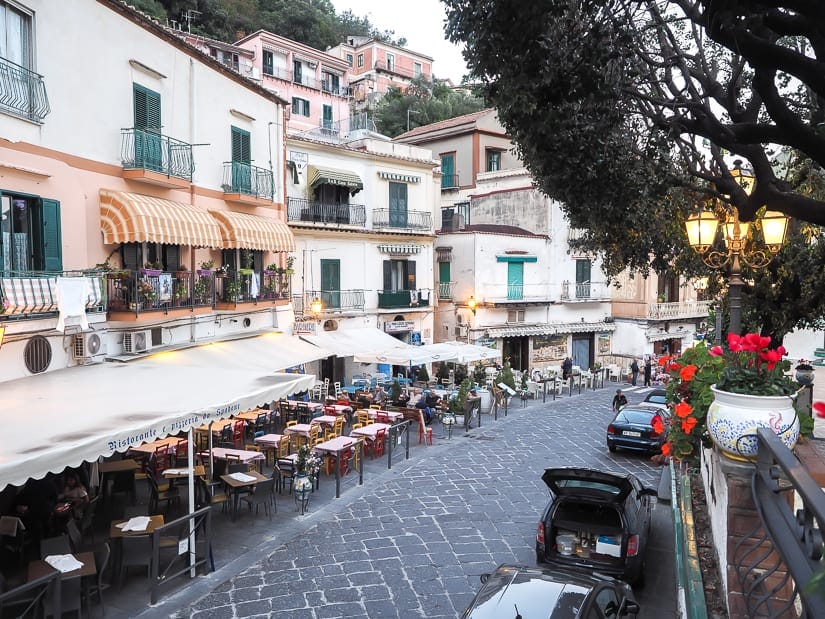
[445, 124]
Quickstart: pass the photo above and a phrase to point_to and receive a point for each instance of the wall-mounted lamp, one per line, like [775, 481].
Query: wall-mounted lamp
[2, 333]
[471, 303]
[316, 307]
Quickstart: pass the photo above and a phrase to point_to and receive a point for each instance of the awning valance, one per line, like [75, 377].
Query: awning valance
[399, 249]
[551, 329]
[349, 342]
[245, 231]
[331, 176]
[404, 178]
[135, 218]
[517, 258]
[664, 336]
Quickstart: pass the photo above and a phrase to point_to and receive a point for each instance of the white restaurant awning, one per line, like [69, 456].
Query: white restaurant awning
[349, 342]
[64, 418]
[411, 355]
[465, 353]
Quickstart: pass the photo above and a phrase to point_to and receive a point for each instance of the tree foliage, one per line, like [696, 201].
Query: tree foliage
[426, 102]
[631, 112]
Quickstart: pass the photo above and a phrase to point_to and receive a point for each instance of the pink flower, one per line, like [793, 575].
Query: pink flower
[716, 351]
[819, 407]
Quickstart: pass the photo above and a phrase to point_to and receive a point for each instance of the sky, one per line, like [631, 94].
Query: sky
[421, 22]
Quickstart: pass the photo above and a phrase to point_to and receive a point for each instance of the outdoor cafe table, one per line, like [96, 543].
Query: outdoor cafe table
[237, 486]
[170, 444]
[116, 534]
[335, 447]
[245, 457]
[39, 568]
[183, 473]
[114, 467]
[393, 416]
[299, 429]
[312, 406]
[252, 415]
[369, 431]
[269, 440]
[326, 420]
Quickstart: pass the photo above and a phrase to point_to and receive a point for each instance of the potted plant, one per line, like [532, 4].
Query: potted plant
[723, 394]
[152, 269]
[271, 269]
[207, 267]
[201, 290]
[290, 265]
[804, 372]
[179, 292]
[307, 467]
[248, 262]
[181, 271]
[479, 375]
[443, 372]
[423, 375]
[147, 291]
[232, 290]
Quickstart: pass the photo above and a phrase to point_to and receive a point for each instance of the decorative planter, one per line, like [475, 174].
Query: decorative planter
[733, 419]
[205, 272]
[246, 271]
[805, 377]
[302, 488]
[151, 272]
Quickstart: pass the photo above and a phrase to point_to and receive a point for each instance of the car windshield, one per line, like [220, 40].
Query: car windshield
[583, 483]
[631, 416]
[656, 398]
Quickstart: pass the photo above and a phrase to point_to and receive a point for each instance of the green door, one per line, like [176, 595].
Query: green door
[327, 117]
[448, 171]
[50, 230]
[398, 205]
[582, 279]
[148, 140]
[241, 158]
[331, 283]
[444, 280]
[515, 280]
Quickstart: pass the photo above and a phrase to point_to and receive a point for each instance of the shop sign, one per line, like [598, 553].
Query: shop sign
[304, 327]
[399, 326]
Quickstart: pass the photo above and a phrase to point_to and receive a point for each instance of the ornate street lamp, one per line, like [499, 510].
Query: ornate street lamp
[472, 304]
[702, 229]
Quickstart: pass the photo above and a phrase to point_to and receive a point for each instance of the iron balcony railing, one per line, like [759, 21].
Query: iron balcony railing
[502, 293]
[383, 65]
[247, 179]
[33, 294]
[301, 209]
[681, 309]
[305, 79]
[445, 291]
[361, 122]
[23, 92]
[449, 181]
[389, 299]
[584, 291]
[145, 149]
[402, 219]
[340, 91]
[335, 299]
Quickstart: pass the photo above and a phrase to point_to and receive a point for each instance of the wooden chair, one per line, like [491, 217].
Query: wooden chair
[339, 426]
[379, 442]
[425, 433]
[314, 432]
[289, 424]
[355, 426]
[182, 452]
[283, 447]
[382, 417]
[363, 416]
[237, 434]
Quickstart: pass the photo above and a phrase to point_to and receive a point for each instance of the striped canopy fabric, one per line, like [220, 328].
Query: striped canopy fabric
[245, 231]
[135, 218]
[330, 176]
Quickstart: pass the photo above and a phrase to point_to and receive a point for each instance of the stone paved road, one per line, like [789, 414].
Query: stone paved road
[413, 541]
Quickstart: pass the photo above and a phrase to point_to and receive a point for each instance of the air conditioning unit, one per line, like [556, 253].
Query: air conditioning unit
[89, 347]
[461, 331]
[135, 342]
[312, 65]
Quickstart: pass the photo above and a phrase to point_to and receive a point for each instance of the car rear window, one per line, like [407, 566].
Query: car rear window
[657, 399]
[631, 416]
[582, 483]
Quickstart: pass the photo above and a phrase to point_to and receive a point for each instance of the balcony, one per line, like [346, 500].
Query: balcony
[247, 184]
[156, 159]
[682, 309]
[397, 299]
[338, 91]
[304, 79]
[383, 65]
[449, 181]
[281, 73]
[334, 300]
[402, 219]
[519, 293]
[22, 92]
[328, 214]
[572, 292]
[445, 291]
[32, 294]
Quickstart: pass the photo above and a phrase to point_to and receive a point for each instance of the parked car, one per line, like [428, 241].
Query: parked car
[548, 593]
[657, 398]
[633, 428]
[595, 520]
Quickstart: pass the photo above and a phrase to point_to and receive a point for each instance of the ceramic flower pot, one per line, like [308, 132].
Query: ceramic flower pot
[733, 419]
[805, 377]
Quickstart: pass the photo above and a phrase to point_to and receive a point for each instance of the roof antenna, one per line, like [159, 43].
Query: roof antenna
[189, 17]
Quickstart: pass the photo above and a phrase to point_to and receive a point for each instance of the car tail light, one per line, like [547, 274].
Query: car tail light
[632, 545]
[611, 430]
[654, 433]
[540, 533]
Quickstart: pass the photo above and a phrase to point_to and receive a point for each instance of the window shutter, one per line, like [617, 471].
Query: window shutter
[147, 108]
[258, 261]
[130, 256]
[387, 275]
[241, 150]
[171, 257]
[52, 249]
[582, 271]
[228, 259]
[410, 271]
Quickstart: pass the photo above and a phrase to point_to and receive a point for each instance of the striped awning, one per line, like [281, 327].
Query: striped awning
[404, 178]
[245, 231]
[135, 218]
[330, 176]
[551, 329]
[400, 248]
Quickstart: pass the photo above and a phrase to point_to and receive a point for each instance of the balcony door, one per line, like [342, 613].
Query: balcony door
[448, 171]
[327, 122]
[148, 140]
[241, 159]
[515, 280]
[331, 283]
[398, 205]
[582, 279]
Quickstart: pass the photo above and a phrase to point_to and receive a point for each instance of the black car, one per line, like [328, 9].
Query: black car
[636, 427]
[543, 593]
[658, 398]
[595, 520]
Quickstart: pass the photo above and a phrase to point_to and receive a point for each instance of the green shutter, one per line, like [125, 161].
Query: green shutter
[410, 264]
[241, 145]
[331, 282]
[52, 249]
[398, 205]
[387, 275]
[582, 271]
[147, 108]
[444, 272]
[327, 117]
[448, 171]
[515, 280]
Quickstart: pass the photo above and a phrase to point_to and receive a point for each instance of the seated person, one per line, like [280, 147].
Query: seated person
[74, 493]
[379, 396]
[428, 403]
[402, 399]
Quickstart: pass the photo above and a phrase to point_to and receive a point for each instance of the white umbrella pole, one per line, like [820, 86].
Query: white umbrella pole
[190, 462]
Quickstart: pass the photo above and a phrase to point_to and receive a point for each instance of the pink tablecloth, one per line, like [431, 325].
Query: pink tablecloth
[301, 429]
[370, 431]
[335, 445]
[246, 456]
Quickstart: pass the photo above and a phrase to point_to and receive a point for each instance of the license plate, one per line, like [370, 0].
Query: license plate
[627, 433]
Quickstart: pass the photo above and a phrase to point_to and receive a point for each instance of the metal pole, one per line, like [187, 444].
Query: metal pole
[735, 295]
[190, 462]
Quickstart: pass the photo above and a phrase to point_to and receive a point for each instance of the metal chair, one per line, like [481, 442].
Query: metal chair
[263, 493]
[60, 545]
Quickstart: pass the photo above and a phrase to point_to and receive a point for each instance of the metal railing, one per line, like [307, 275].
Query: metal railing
[445, 291]
[151, 291]
[144, 149]
[361, 122]
[584, 291]
[681, 309]
[28, 294]
[22, 92]
[29, 599]
[281, 73]
[794, 532]
[301, 209]
[193, 534]
[247, 179]
[501, 293]
[382, 65]
[388, 299]
[449, 181]
[409, 220]
[310, 81]
[336, 299]
[340, 91]
[688, 574]
[274, 286]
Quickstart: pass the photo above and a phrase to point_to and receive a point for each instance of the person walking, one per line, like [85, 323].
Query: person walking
[648, 371]
[634, 371]
[619, 401]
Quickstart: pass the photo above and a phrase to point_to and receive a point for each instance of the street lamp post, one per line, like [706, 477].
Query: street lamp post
[702, 229]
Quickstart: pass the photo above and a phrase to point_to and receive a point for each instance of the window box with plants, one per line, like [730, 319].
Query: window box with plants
[152, 269]
[207, 268]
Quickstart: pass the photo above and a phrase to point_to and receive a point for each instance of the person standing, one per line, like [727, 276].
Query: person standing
[648, 371]
[567, 368]
[634, 371]
[619, 400]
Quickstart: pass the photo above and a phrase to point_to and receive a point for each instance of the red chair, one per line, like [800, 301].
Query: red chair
[382, 417]
[378, 443]
[330, 410]
[181, 452]
[425, 433]
[237, 434]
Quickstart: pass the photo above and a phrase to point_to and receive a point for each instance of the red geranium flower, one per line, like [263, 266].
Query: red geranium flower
[688, 424]
[683, 409]
[687, 373]
[663, 361]
[772, 356]
[734, 342]
[658, 426]
[716, 351]
[819, 407]
[666, 449]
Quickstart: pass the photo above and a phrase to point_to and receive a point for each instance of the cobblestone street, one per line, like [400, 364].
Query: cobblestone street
[413, 541]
